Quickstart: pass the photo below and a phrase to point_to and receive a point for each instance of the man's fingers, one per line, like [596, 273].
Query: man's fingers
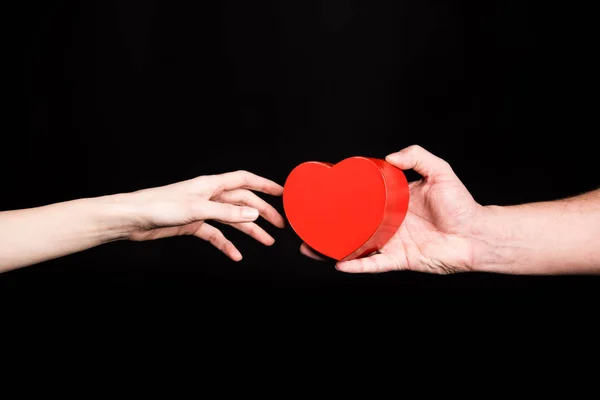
[223, 212]
[367, 265]
[217, 239]
[255, 231]
[247, 198]
[370, 265]
[422, 161]
[247, 180]
[308, 252]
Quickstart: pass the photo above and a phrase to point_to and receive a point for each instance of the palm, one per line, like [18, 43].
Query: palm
[430, 238]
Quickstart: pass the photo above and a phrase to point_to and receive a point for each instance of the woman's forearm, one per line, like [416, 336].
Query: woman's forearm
[34, 235]
[555, 237]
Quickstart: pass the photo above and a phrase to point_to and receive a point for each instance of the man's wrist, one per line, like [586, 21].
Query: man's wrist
[495, 247]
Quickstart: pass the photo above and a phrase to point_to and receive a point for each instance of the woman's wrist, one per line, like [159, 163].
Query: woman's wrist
[114, 217]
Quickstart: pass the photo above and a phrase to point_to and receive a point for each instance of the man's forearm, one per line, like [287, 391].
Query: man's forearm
[558, 237]
[34, 235]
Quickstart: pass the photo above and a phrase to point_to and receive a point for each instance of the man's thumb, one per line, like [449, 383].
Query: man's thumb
[423, 162]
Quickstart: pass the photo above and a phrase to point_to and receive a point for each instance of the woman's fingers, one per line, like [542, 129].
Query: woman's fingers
[216, 238]
[255, 231]
[246, 180]
[247, 198]
[222, 212]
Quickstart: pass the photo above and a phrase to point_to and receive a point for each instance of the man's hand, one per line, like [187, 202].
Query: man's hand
[446, 231]
[436, 235]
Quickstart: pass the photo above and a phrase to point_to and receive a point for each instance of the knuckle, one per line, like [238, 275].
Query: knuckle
[250, 177]
[220, 241]
[266, 209]
[414, 149]
[244, 197]
[242, 173]
[246, 179]
[206, 182]
[224, 244]
[188, 230]
[214, 237]
[445, 164]
[241, 177]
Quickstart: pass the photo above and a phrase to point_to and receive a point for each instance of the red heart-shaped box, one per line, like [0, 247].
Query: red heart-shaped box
[347, 210]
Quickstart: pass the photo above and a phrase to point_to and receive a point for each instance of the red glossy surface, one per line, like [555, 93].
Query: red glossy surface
[347, 210]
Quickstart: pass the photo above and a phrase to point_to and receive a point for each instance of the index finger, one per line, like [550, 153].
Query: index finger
[247, 180]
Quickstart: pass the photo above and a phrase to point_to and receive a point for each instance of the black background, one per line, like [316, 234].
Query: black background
[114, 96]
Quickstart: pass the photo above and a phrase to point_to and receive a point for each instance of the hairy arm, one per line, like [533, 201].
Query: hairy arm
[33, 235]
[556, 237]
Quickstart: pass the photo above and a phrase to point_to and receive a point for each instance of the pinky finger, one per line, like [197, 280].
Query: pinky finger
[216, 238]
[308, 252]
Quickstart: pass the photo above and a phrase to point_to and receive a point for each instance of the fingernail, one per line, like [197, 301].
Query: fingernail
[249, 213]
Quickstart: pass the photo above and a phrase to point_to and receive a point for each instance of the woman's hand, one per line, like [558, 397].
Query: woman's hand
[183, 208]
[34, 235]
